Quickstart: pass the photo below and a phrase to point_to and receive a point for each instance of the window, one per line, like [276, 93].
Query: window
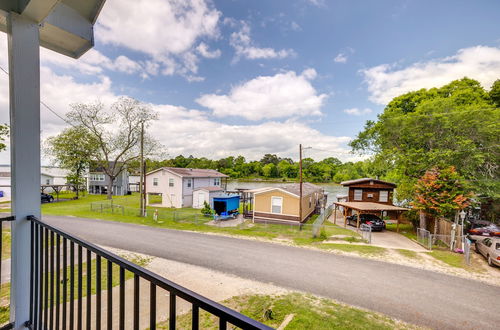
[170, 182]
[217, 182]
[189, 183]
[47, 181]
[358, 194]
[155, 181]
[276, 204]
[384, 196]
[96, 177]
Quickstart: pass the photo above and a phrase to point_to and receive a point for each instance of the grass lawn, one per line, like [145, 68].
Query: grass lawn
[6, 239]
[450, 258]
[309, 312]
[408, 253]
[361, 249]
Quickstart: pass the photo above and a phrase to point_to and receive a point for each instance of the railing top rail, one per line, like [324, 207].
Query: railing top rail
[210, 306]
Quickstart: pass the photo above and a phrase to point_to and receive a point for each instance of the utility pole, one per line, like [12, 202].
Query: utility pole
[141, 180]
[300, 182]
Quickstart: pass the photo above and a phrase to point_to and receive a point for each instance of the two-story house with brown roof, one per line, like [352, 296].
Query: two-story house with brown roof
[177, 185]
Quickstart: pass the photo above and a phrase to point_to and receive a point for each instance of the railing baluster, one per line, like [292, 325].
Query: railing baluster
[45, 261]
[64, 283]
[89, 290]
[36, 272]
[109, 318]
[122, 298]
[152, 306]
[51, 322]
[46, 270]
[40, 275]
[58, 279]
[195, 324]
[172, 311]
[72, 286]
[32, 263]
[136, 302]
[80, 289]
[98, 292]
[222, 323]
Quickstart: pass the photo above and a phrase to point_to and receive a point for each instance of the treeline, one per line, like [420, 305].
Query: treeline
[273, 167]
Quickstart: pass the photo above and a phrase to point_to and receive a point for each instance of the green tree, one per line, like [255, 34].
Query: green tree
[270, 170]
[495, 93]
[73, 149]
[117, 131]
[455, 125]
[440, 193]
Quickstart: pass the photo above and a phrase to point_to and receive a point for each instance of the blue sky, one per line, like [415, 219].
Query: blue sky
[253, 77]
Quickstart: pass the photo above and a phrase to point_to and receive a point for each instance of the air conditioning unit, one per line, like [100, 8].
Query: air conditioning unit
[370, 195]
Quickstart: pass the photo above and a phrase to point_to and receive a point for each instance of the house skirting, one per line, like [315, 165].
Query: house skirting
[261, 217]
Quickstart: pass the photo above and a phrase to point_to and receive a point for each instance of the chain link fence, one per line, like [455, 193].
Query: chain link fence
[325, 214]
[424, 238]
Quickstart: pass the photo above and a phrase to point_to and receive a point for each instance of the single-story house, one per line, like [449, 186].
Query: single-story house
[281, 204]
[177, 185]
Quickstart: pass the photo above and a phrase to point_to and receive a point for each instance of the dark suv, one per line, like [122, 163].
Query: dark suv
[371, 220]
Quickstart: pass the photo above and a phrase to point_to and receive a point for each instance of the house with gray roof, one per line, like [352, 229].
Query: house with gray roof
[177, 185]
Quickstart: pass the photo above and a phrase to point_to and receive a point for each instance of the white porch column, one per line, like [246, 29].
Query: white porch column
[24, 79]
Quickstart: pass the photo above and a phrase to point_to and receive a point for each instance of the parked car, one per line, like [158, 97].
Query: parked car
[47, 198]
[490, 249]
[371, 220]
[483, 229]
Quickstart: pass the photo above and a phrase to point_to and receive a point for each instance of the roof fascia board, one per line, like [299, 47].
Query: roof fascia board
[277, 188]
[37, 10]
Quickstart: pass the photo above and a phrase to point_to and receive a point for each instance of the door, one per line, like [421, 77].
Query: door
[201, 199]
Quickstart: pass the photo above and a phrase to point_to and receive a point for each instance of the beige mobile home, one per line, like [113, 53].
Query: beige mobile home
[281, 204]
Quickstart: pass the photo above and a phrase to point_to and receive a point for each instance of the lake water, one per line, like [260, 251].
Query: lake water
[332, 189]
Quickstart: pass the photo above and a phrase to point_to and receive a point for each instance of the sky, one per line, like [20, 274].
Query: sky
[247, 78]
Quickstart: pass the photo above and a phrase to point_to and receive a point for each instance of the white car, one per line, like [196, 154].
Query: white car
[490, 249]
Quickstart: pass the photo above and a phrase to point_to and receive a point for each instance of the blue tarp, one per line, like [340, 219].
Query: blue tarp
[232, 202]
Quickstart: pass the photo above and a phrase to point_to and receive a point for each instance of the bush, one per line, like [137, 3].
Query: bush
[206, 210]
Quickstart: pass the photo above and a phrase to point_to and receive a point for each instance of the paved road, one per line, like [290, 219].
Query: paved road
[413, 295]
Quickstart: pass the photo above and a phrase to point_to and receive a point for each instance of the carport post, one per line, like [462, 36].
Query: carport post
[359, 216]
[24, 87]
[345, 216]
[397, 219]
[335, 215]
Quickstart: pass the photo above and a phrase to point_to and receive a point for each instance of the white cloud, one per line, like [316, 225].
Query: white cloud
[205, 52]
[282, 95]
[387, 81]
[340, 58]
[244, 46]
[317, 3]
[167, 34]
[357, 111]
[214, 139]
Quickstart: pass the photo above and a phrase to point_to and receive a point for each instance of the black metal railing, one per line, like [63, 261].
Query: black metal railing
[4, 222]
[70, 276]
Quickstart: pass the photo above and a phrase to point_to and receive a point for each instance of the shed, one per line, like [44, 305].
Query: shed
[226, 204]
[205, 194]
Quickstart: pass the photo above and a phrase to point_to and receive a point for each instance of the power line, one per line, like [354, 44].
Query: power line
[45, 105]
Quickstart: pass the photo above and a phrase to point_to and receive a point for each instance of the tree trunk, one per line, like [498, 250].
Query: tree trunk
[435, 230]
[423, 222]
[110, 188]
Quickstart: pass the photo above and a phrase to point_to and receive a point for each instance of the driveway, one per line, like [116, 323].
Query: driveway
[410, 294]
